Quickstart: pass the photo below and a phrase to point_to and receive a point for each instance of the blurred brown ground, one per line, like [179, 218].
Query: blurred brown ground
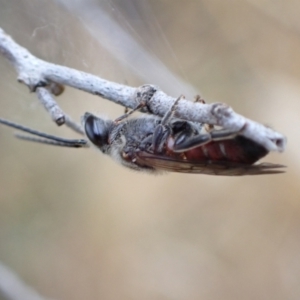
[74, 225]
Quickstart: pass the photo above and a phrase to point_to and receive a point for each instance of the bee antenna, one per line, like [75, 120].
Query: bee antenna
[45, 138]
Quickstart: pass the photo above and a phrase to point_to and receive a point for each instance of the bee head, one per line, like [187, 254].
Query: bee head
[97, 130]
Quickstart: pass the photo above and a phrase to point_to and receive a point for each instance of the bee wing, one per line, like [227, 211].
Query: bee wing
[226, 168]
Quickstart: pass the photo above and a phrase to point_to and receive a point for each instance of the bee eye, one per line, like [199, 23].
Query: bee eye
[96, 131]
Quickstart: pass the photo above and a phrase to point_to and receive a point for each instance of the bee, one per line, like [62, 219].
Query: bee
[155, 144]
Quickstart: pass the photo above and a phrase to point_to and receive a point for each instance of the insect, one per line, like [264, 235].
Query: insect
[155, 144]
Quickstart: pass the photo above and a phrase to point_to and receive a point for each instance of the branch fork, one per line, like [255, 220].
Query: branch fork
[47, 80]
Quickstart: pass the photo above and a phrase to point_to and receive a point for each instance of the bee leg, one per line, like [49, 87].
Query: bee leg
[170, 113]
[163, 130]
[199, 99]
[159, 138]
[208, 127]
[146, 143]
[142, 103]
[128, 113]
[223, 134]
[184, 143]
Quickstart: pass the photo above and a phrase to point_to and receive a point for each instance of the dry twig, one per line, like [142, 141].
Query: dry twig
[40, 75]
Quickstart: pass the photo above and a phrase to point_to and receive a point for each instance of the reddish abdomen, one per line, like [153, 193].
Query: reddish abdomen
[239, 150]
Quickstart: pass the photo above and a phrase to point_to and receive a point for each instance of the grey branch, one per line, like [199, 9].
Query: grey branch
[37, 74]
[48, 101]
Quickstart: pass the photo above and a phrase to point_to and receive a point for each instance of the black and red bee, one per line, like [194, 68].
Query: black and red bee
[154, 144]
[167, 144]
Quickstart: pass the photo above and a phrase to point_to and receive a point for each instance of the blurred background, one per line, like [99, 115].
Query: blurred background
[75, 225]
